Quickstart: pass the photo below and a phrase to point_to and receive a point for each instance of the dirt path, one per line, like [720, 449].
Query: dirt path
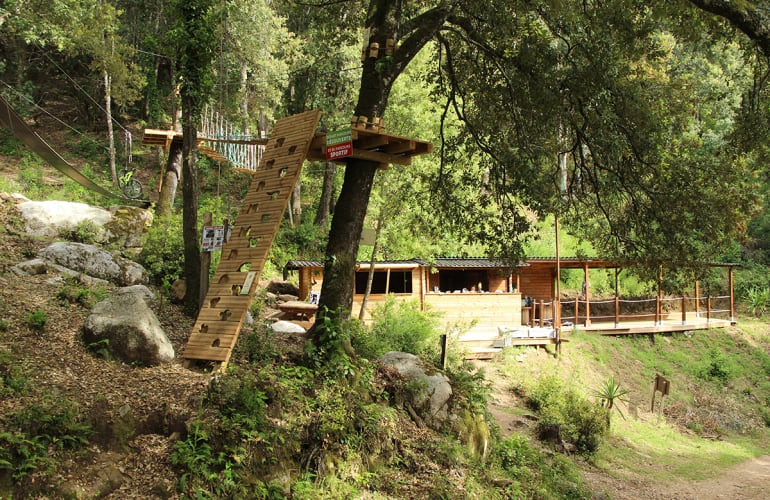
[749, 480]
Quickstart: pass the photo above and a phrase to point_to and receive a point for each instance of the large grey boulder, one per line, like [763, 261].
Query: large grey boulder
[95, 262]
[432, 393]
[129, 330]
[53, 218]
[120, 225]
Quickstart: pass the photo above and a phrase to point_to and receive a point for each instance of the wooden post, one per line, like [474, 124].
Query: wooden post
[697, 299]
[732, 293]
[588, 293]
[617, 310]
[684, 310]
[205, 266]
[708, 309]
[659, 298]
[542, 313]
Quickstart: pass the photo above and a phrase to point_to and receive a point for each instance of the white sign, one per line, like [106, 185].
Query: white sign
[213, 238]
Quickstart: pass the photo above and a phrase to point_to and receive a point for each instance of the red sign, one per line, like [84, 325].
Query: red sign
[339, 144]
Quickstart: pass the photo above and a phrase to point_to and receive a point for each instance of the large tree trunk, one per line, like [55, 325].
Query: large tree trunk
[173, 170]
[192, 254]
[171, 175]
[327, 191]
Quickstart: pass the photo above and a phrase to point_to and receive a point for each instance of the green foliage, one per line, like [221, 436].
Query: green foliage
[100, 348]
[567, 415]
[163, 251]
[32, 429]
[757, 300]
[396, 326]
[533, 474]
[74, 291]
[37, 319]
[610, 392]
[12, 378]
[332, 337]
[718, 367]
[85, 231]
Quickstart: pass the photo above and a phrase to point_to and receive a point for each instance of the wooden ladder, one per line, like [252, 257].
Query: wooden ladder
[243, 257]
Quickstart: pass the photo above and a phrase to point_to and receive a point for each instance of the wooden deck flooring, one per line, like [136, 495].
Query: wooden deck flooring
[480, 342]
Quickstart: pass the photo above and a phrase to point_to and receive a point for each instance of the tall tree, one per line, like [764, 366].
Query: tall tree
[195, 42]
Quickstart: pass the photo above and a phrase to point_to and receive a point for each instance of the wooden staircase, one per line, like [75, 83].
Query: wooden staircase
[243, 257]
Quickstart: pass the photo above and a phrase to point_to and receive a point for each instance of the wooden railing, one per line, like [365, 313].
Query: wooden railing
[655, 310]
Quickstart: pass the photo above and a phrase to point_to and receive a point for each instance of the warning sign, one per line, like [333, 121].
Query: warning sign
[339, 144]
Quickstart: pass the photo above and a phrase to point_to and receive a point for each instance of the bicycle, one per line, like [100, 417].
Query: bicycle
[129, 185]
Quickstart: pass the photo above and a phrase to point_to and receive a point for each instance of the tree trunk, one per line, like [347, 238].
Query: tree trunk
[110, 132]
[192, 254]
[345, 233]
[171, 175]
[325, 205]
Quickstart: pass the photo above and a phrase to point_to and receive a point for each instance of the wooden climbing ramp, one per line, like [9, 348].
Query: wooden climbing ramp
[243, 256]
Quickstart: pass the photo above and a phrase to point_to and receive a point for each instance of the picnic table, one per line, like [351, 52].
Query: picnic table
[299, 309]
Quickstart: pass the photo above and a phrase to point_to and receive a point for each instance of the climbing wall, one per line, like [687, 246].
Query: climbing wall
[243, 256]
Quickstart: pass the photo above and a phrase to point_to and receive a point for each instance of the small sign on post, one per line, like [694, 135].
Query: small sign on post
[213, 238]
[339, 144]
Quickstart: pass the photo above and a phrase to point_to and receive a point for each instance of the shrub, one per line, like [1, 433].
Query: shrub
[163, 251]
[36, 319]
[756, 300]
[717, 367]
[397, 326]
[12, 379]
[74, 291]
[85, 231]
[568, 416]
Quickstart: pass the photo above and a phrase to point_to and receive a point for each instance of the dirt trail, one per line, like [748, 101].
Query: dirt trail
[749, 480]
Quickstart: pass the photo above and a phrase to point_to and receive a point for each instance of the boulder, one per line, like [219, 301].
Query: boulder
[141, 290]
[95, 262]
[127, 225]
[129, 330]
[178, 291]
[53, 218]
[30, 267]
[431, 394]
[286, 327]
[120, 225]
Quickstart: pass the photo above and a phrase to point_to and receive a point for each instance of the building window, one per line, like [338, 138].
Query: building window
[463, 280]
[400, 282]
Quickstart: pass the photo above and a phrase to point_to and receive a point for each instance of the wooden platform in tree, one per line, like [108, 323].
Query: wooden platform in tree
[370, 142]
[243, 257]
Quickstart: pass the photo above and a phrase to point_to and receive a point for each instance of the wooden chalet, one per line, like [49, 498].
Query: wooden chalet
[514, 305]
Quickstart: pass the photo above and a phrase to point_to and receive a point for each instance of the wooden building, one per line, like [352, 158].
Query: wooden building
[493, 295]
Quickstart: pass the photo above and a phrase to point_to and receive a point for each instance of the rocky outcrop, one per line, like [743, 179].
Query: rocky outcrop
[95, 262]
[431, 394]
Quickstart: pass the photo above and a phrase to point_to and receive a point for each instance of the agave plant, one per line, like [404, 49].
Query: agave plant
[611, 392]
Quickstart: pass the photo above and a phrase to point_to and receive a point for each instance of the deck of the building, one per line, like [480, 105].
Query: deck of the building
[484, 342]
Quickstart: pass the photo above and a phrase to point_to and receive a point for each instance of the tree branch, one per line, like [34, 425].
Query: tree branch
[745, 16]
